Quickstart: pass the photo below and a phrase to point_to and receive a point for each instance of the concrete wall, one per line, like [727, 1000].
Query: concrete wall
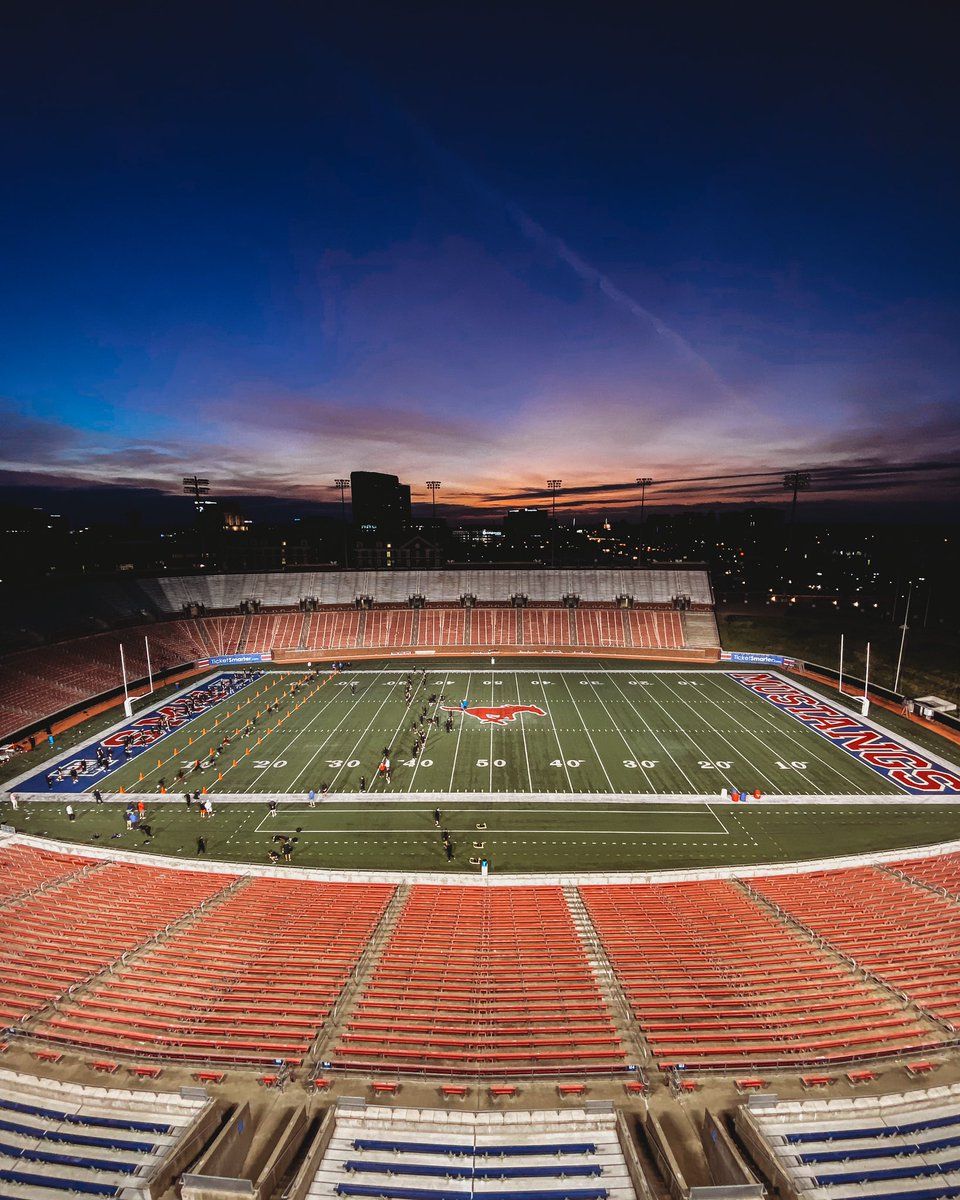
[632, 1159]
[727, 1167]
[288, 1140]
[300, 1184]
[225, 1162]
[669, 1167]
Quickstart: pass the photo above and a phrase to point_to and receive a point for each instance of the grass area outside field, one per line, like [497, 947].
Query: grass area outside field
[931, 659]
[604, 729]
[377, 834]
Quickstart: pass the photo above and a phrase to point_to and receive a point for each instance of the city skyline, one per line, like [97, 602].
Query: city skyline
[489, 247]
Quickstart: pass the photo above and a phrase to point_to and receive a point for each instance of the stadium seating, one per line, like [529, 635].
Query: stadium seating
[388, 627]
[50, 942]
[486, 981]
[442, 627]
[332, 630]
[35, 684]
[25, 869]
[416, 1154]
[941, 872]
[272, 631]
[904, 935]
[47, 608]
[544, 627]
[648, 630]
[493, 627]
[250, 981]
[716, 980]
[895, 1147]
[600, 627]
[66, 1139]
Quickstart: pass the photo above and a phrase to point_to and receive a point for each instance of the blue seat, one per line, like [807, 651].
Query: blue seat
[52, 1114]
[433, 1170]
[52, 1181]
[405, 1193]
[474, 1151]
[949, 1192]
[75, 1139]
[69, 1160]
[437, 1171]
[900, 1150]
[399, 1193]
[412, 1147]
[878, 1176]
[569, 1172]
[874, 1131]
[543, 1148]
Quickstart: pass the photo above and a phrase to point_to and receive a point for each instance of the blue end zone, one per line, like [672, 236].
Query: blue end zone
[910, 770]
[137, 736]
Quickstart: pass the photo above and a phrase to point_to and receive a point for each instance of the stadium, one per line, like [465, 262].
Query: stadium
[429, 884]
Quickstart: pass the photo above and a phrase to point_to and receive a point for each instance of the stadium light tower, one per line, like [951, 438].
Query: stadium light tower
[903, 637]
[343, 484]
[554, 485]
[433, 485]
[796, 481]
[643, 482]
[194, 486]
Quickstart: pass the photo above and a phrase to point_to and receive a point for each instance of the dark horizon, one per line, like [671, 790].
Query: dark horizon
[110, 504]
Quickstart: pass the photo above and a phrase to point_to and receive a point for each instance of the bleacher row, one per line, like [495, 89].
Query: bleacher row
[175, 964]
[894, 1147]
[59, 609]
[412, 1154]
[482, 981]
[60, 1138]
[36, 683]
[716, 980]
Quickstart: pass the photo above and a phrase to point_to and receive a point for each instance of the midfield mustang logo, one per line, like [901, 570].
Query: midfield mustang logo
[499, 714]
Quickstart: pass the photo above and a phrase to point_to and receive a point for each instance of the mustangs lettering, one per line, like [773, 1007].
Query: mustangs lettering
[909, 769]
[498, 714]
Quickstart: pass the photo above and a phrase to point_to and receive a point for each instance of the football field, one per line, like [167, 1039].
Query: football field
[558, 766]
[575, 730]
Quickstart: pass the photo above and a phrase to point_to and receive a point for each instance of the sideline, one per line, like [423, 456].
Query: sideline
[564, 879]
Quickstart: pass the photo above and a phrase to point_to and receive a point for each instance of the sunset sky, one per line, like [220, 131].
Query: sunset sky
[486, 244]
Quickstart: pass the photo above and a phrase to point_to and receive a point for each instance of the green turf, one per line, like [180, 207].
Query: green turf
[377, 834]
[620, 730]
[610, 730]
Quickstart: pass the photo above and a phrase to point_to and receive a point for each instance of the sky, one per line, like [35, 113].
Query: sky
[489, 244]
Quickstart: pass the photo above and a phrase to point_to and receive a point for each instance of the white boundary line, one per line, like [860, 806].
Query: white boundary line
[557, 879]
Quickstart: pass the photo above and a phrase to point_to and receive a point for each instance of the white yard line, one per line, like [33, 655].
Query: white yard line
[523, 735]
[635, 755]
[563, 757]
[742, 697]
[586, 730]
[734, 750]
[695, 790]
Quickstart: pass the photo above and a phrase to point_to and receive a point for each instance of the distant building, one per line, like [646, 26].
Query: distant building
[380, 503]
[522, 523]
[408, 553]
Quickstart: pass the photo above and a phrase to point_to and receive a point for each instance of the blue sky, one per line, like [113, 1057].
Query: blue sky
[487, 244]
